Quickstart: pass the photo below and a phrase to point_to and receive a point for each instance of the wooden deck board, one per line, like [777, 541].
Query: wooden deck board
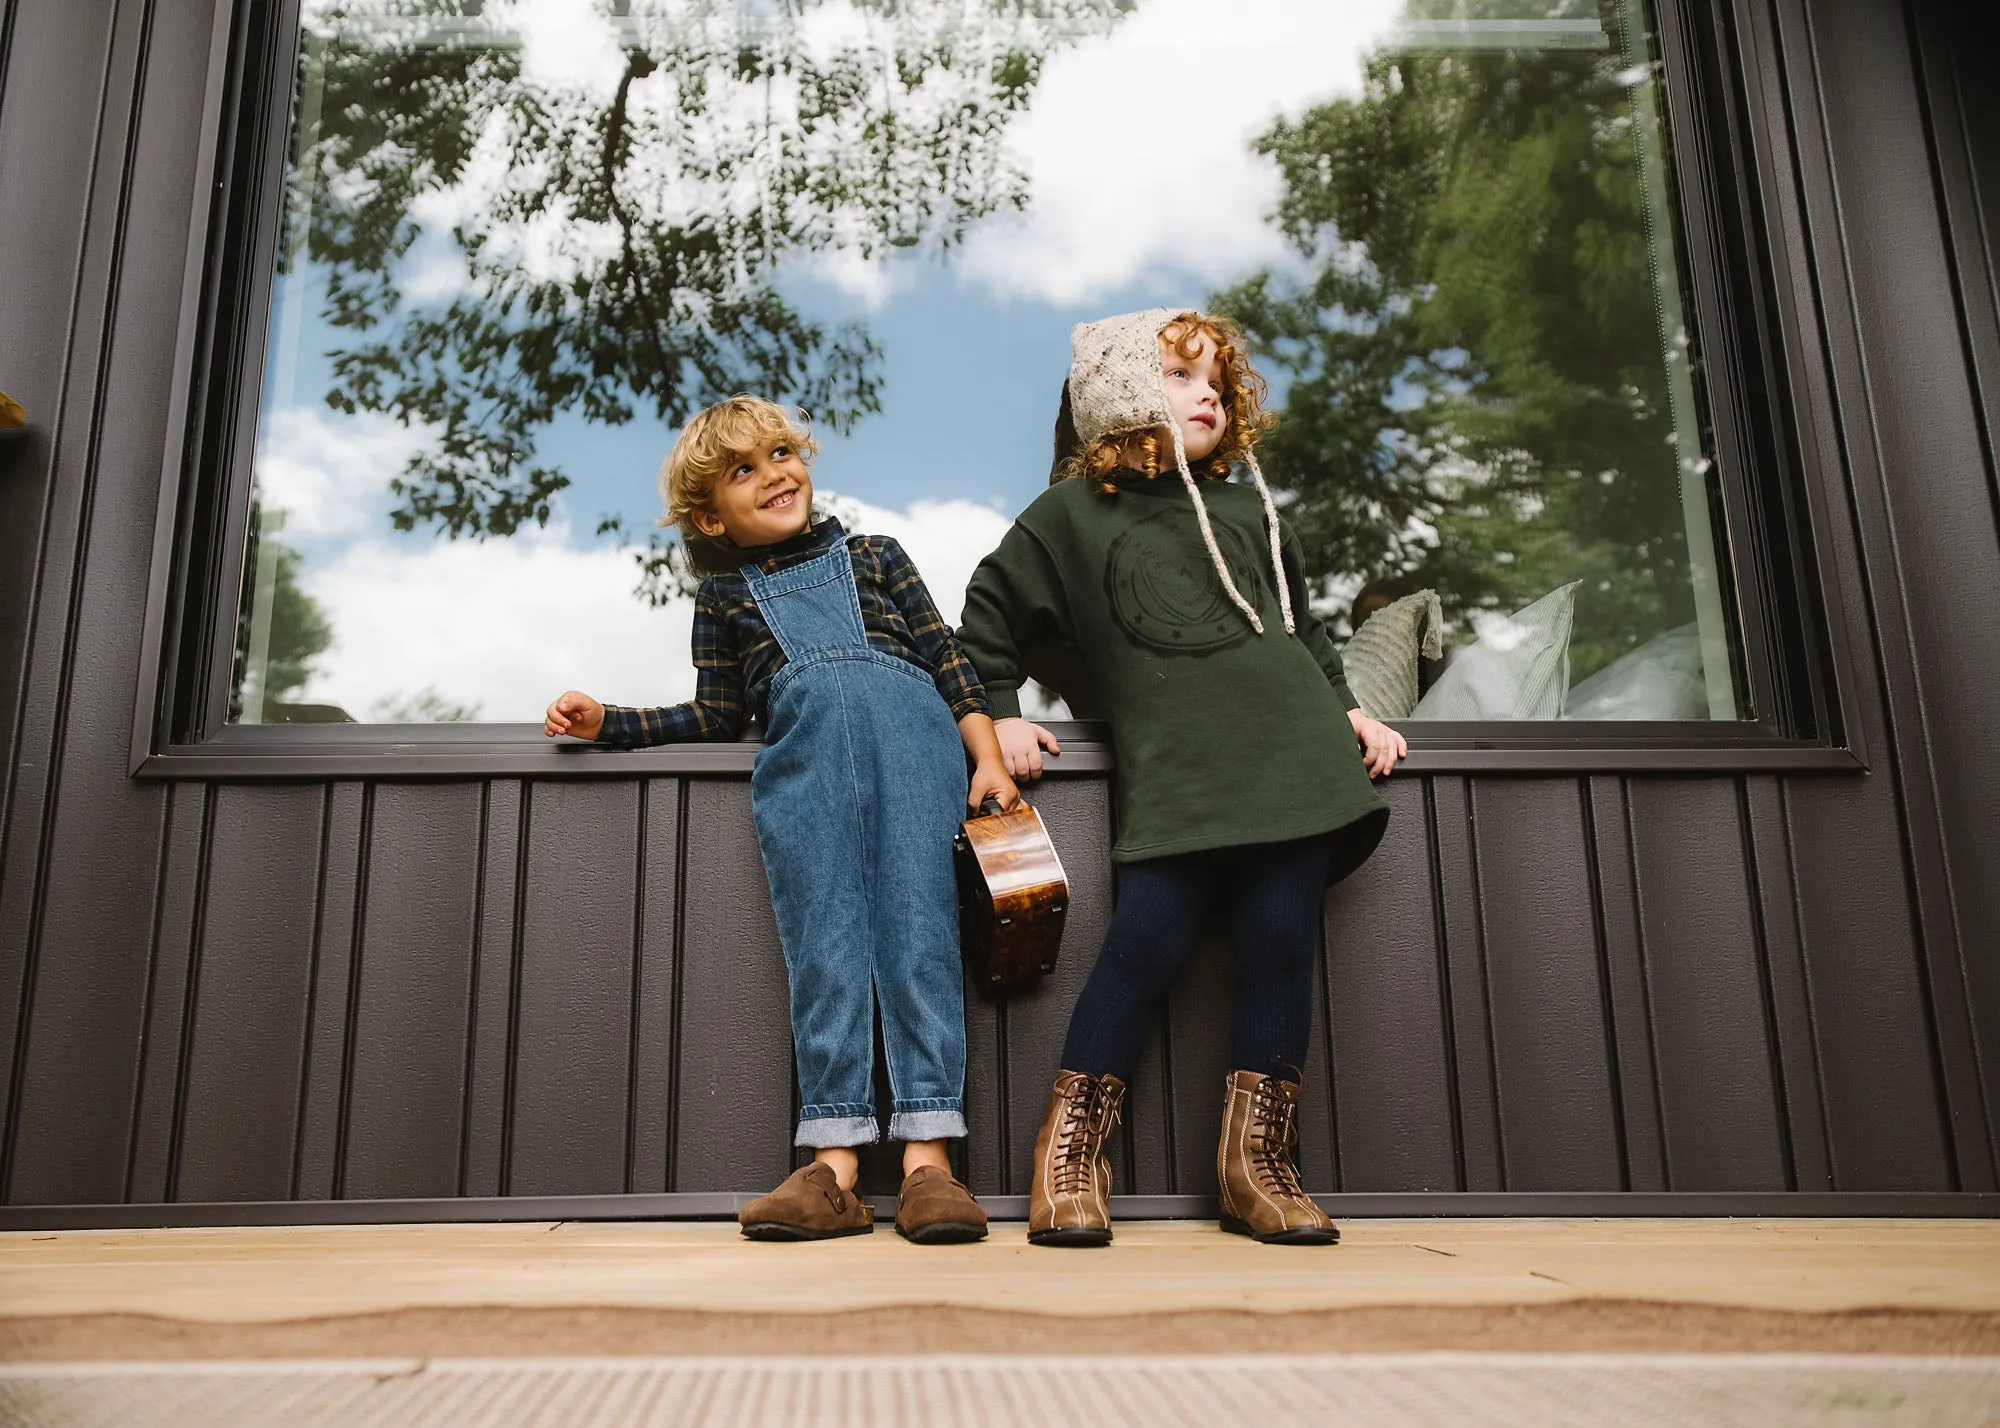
[265, 1275]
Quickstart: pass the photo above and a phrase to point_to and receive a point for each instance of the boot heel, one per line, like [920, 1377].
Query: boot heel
[1234, 1226]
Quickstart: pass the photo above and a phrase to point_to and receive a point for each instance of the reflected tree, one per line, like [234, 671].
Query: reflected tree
[300, 631]
[615, 238]
[1476, 399]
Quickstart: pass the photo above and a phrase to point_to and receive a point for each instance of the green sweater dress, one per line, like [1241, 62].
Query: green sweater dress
[1223, 736]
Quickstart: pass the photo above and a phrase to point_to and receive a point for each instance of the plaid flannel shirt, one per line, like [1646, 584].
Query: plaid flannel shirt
[735, 653]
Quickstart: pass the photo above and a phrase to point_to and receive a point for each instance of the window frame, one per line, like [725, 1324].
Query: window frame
[1737, 185]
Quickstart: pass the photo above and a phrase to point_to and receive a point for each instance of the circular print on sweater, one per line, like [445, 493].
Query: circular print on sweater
[1163, 589]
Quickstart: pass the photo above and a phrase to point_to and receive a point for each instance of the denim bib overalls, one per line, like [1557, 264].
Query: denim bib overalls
[857, 793]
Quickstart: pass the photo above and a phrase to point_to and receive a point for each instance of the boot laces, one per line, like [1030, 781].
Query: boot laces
[1084, 1125]
[1274, 1139]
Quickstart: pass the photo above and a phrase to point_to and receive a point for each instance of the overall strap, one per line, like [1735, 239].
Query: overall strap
[813, 608]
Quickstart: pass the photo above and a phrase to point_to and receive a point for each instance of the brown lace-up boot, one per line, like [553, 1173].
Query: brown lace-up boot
[1258, 1166]
[1070, 1203]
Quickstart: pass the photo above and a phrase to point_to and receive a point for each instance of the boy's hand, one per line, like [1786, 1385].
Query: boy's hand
[1021, 745]
[576, 714]
[1381, 746]
[989, 780]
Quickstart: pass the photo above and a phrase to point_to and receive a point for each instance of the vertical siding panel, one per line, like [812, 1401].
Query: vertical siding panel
[173, 943]
[1319, 1120]
[1456, 892]
[254, 978]
[1624, 971]
[72, 80]
[1557, 1113]
[1884, 1103]
[108, 395]
[1146, 1156]
[573, 1022]
[734, 1121]
[1926, 520]
[653, 999]
[406, 1095]
[1198, 1010]
[985, 1094]
[1392, 1069]
[1718, 1097]
[52, 326]
[1791, 1010]
[321, 1109]
[1078, 815]
[86, 1008]
[488, 1072]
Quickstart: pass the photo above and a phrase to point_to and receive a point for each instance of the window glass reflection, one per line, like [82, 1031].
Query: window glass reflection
[522, 242]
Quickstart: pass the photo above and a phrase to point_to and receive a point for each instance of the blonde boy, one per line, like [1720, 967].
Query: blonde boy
[833, 640]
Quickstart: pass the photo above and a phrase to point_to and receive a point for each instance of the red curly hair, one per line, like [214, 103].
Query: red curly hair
[1243, 396]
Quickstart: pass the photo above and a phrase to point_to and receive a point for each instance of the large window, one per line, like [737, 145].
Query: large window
[520, 243]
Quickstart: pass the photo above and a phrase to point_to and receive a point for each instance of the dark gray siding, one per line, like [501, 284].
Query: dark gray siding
[542, 986]
[553, 988]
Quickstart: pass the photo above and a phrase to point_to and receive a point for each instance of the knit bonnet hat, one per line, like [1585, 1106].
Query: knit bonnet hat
[1116, 386]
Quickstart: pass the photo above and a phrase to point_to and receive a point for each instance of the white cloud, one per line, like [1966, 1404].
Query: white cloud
[944, 539]
[504, 624]
[566, 44]
[436, 273]
[1138, 144]
[330, 473]
[509, 624]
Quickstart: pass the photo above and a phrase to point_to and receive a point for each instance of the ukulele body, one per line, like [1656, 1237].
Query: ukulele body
[1012, 896]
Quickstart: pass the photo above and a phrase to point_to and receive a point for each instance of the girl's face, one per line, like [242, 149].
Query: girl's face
[1194, 395]
[765, 496]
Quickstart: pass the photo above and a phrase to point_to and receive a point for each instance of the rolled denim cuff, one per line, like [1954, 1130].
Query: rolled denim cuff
[826, 1127]
[936, 1118]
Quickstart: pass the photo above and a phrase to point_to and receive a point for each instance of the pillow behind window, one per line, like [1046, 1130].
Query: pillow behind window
[1381, 657]
[1661, 679]
[1518, 669]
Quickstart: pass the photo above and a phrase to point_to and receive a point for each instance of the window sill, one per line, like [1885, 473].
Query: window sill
[445, 751]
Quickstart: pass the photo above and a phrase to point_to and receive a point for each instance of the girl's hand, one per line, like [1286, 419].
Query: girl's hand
[1021, 745]
[574, 713]
[1381, 746]
[989, 780]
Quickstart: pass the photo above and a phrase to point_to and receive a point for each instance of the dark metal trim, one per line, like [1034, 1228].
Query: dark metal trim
[513, 750]
[1781, 176]
[204, 762]
[724, 1205]
[190, 611]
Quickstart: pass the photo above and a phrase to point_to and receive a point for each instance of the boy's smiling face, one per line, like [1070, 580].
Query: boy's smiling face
[763, 497]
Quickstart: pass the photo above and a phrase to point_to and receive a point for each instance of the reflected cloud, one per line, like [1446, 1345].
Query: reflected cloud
[330, 473]
[566, 44]
[1139, 144]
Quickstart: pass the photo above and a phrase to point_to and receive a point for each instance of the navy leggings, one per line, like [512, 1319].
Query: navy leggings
[1273, 894]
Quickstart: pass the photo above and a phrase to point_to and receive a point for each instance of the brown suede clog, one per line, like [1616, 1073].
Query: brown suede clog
[934, 1209]
[810, 1205]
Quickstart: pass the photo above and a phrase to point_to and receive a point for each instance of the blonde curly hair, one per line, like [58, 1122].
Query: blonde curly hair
[714, 439]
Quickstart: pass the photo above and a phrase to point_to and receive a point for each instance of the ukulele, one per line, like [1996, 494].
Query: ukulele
[1012, 895]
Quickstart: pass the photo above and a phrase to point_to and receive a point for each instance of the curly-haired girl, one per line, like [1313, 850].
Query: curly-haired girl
[1243, 759]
